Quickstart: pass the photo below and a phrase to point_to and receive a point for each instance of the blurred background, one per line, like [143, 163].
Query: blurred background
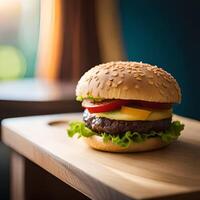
[58, 40]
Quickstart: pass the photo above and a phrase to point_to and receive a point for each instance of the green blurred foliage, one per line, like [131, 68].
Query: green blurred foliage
[12, 63]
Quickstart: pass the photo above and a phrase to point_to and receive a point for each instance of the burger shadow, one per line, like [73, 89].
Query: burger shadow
[177, 163]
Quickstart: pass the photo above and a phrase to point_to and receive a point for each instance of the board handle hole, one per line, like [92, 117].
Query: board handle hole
[58, 123]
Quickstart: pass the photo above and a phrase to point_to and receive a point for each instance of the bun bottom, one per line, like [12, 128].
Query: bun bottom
[96, 142]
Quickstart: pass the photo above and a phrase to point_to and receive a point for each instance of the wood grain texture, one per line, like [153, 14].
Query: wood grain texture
[172, 172]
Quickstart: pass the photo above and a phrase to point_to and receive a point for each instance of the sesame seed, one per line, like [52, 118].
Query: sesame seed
[114, 85]
[139, 78]
[137, 66]
[164, 85]
[115, 74]
[150, 82]
[168, 80]
[106, 71]
[108, 83]
[150, 76]
[110, 78]
[156, 84]
[161, 92]
[119, 82]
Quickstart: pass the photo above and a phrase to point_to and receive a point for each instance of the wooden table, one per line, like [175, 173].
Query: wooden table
[169, 173]
[36, 97]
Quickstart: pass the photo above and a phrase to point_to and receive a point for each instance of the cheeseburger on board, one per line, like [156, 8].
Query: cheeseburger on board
[128, 107]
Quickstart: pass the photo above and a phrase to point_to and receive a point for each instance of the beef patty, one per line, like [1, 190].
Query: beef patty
[105, 125]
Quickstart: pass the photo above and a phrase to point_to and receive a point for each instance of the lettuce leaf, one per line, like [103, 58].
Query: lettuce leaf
[97, 99]
[79, 98]
[172, 133]
[80, 129]
[123, 140]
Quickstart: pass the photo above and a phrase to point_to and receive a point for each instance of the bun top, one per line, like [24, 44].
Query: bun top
[129, 80]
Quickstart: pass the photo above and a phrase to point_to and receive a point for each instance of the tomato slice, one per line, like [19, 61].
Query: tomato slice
[104, 106]
[110, 105]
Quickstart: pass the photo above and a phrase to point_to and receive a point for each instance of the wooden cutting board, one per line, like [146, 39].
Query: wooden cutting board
[169, 173]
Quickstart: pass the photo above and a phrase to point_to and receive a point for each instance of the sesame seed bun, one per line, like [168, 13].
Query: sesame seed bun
[97, 143]
[129, 80]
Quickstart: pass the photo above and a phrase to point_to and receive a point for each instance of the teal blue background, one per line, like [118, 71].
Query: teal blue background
[167, 34]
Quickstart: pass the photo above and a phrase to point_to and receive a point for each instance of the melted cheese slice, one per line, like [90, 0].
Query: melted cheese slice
[130, 114]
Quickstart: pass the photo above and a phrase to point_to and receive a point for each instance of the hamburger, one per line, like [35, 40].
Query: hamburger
[128, 107]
